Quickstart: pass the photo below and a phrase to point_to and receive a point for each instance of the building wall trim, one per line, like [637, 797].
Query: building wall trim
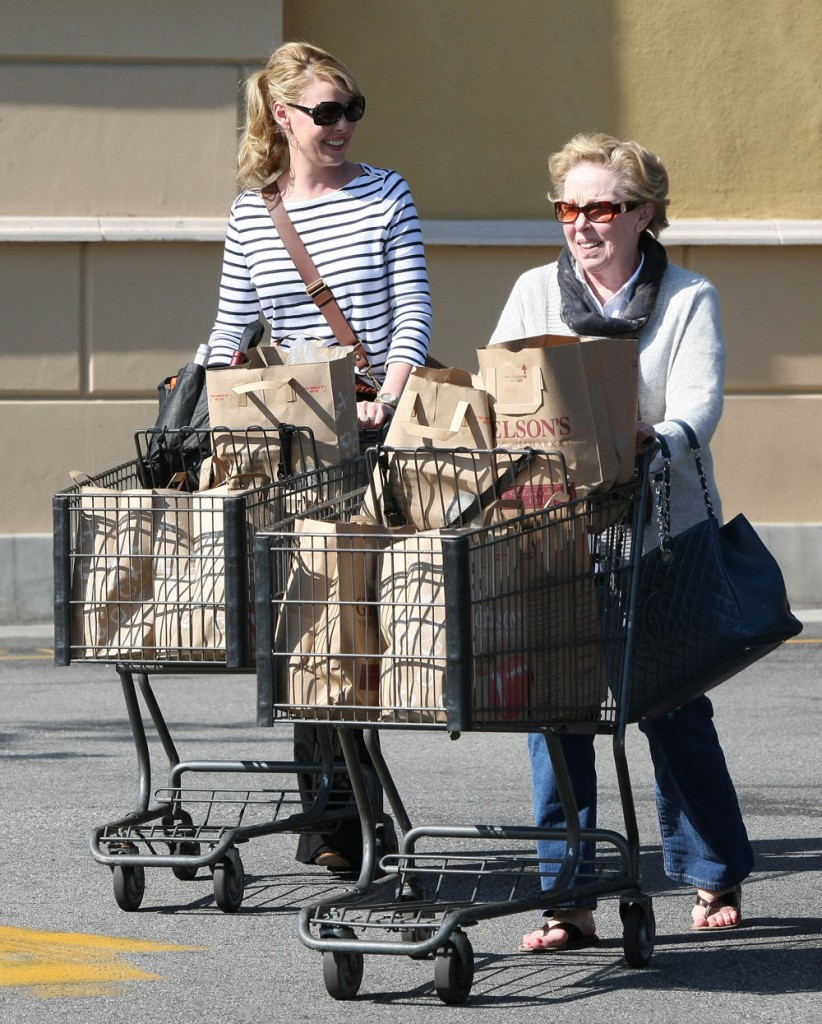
[475, 233]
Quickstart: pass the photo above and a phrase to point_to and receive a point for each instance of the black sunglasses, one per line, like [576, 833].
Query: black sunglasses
[598, 213]
[330, 113]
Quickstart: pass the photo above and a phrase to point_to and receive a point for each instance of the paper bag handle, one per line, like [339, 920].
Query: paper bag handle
[254, 387]
[413, 425]
[517, 408]
[81, 479]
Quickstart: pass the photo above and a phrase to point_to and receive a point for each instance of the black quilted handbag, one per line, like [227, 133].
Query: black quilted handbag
[711, 601]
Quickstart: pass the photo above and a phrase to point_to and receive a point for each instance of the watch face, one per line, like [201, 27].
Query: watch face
[387, 398]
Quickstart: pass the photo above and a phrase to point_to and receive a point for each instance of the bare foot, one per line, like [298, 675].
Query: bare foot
[566, 929]
[722, 909]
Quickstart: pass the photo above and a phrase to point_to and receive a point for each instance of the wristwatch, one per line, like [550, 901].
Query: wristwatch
[387, 398]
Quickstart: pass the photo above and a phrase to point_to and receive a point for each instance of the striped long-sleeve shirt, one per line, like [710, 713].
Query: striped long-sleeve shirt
[365, 241]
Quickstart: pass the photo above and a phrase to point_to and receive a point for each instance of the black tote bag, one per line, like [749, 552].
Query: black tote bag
[711, 601]
[179, 441]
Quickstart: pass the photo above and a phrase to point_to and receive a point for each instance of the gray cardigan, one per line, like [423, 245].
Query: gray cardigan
[681, 368]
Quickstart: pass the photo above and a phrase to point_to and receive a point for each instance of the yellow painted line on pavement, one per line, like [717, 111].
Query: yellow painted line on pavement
[60, 964]
[39, 652]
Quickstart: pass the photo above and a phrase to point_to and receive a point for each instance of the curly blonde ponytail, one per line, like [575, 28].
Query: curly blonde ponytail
[263, 150]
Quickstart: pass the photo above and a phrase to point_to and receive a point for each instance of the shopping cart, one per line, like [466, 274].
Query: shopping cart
[152, 579]
[522, 624]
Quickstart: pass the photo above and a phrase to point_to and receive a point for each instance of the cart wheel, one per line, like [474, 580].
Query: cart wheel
[185, 872]
[454, 969]
[229, 882]
[638, 934]
[418, 933]
[342, 972]
[415, 935]
[129, 886]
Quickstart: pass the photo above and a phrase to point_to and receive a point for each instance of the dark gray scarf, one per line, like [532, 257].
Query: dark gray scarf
[587, 322]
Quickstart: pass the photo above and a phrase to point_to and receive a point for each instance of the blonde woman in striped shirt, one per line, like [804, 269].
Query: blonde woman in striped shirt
[358, 222]
[361, 229]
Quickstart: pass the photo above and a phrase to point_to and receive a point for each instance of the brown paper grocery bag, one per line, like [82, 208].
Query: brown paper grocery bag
[568, 395]
[506, 568]
[440, 409]
[612, 372]
[537, 644]
[536, 622]
[112, 578]
[328, 624]
[267, 392]
[189, 574]
[412, 623]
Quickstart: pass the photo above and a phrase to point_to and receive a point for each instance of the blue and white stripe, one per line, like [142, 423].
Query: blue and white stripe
[365, 241]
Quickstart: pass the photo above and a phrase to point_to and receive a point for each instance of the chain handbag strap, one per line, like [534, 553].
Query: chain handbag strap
[316, 287]
[662, 500]
[662, 487]
[696, 449]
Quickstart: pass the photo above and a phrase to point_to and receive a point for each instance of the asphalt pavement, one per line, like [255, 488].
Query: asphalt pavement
[69, 954]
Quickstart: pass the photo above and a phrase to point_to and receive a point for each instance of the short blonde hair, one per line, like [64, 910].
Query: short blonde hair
[263, 151]
[642, 175]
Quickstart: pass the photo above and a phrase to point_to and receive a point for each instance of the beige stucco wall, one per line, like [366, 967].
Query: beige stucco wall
[469, 97]
[120, 141]
[125, 109]
[116, 173]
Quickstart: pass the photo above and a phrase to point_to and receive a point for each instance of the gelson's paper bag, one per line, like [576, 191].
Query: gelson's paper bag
[578, 397]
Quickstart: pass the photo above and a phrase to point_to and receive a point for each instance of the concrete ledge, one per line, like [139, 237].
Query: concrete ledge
[26, 578]
[514, 233]
[798, 549]
[26, 594]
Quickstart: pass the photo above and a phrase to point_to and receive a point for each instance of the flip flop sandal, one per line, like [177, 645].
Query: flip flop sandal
[732, 898]
[576, 940]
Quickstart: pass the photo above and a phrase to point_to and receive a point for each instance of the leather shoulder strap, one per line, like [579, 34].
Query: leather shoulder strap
[314, 284]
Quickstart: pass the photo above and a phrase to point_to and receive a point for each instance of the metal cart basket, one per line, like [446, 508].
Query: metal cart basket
[520, 624]
[153, 579]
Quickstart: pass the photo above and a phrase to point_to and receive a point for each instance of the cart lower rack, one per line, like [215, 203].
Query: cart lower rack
[186, 826]
[520, 625]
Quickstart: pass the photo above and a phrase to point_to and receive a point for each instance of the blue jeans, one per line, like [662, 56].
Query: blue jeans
[704, 841]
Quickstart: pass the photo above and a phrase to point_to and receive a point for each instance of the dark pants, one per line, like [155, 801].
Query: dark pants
[343, 837]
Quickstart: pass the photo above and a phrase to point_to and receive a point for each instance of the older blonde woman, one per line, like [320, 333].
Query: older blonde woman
[612, 279]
